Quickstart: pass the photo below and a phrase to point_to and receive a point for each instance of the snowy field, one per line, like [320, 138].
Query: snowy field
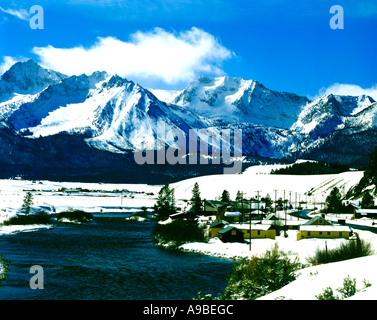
[104, 198]
[258, 178]
[61, 196]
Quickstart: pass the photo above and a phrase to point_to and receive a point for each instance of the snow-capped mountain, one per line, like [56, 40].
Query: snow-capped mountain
[93, 123]
[333, 115]
[117, 114]
[26, 78]
[234, 100]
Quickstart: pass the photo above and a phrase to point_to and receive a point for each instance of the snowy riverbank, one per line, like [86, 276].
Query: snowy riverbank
[24, 228]
[312, 280]
[303, 249]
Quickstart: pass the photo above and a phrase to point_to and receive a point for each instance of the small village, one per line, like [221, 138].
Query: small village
[242, 220]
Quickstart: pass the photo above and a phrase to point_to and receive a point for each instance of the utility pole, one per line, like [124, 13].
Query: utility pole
[242, 195]
[275, 199]
[285, 210]
[250, 225]
[258, 201]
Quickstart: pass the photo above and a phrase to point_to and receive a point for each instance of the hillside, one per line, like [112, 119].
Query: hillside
[313, 280]
[260, 178]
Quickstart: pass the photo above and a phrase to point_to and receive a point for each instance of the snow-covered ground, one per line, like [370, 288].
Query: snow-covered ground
[303, 249]
[258, 178]
[104, 198]
[23, 228]
[312, 281]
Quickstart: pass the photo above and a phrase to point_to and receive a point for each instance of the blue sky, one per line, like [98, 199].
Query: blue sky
[286, 45]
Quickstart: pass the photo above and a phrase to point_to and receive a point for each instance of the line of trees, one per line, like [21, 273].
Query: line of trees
[369, 177]
[179, 231]
[310, 168]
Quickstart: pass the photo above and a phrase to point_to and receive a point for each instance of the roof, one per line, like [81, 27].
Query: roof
[179, 214]
[282, 222]
[315, 219]
[218, 224]
[226, 229]
[232, 214]
[366, 211]
[325, 228]
[211, 204]
[246, 226]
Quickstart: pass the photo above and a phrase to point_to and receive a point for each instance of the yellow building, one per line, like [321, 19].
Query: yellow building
[323, 231]
[215, 227]
[258, 231]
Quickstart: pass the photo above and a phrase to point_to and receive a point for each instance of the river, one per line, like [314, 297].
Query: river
[108, 259]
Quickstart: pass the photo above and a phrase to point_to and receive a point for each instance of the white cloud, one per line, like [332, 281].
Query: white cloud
[160, 55]
[7, 63]
[20, 14]
[349, 90]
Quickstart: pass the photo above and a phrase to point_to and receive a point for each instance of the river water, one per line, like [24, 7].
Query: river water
[110, 258]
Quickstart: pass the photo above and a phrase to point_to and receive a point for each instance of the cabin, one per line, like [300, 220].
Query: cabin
[323, 231]
[256, 215]
[234, 216]
[257, 231]
[231, 234]
[366, 213]
[210, 208]
[215, 227]
[221, 210]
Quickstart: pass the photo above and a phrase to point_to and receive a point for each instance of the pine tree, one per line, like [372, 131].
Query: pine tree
[225, 196]
[165, 204]
[268, 202]
[239, 201]
[196, 204]
[334, 201]
[371, 170]
[367, 202]
[239, 196]
[28, 202]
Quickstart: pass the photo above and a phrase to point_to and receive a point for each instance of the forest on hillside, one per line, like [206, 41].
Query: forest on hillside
[309, 168]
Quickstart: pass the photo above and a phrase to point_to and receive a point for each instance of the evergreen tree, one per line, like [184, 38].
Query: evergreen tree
[268, 202]
[196, 204]
[28, 202]
[165, 204]
[239, 196]
[239, 201]
[371, 170]
[225, 196]
[334, 201]
[367, 202]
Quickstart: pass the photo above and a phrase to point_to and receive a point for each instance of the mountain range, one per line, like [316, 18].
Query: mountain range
[87, 127]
